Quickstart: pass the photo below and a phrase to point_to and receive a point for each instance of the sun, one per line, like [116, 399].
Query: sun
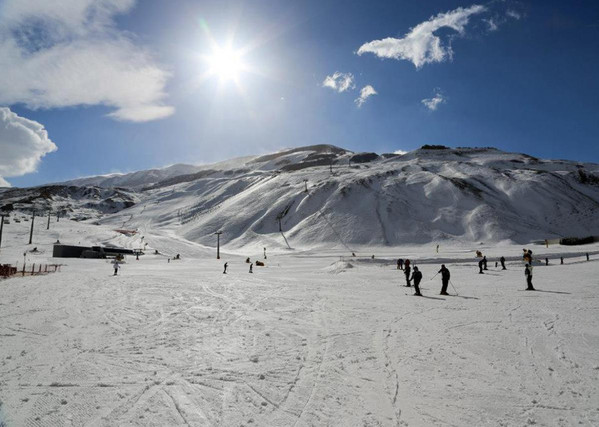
[225, 63]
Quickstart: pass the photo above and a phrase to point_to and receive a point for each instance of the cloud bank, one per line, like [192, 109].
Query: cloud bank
[366, 92]
[23, 143]
[65, 53]
[421, 45]
[339, 82]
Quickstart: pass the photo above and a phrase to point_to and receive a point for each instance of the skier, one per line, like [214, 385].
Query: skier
[502, 261]
[247, 260]
[445, 275]
[407, 271]
[406, 263]
[528, 274]
[485, 262]
[264, 253]
[400, 264]
[417, 277]
[251, 267]
[480, 267]
[225, 270]
[116, 266]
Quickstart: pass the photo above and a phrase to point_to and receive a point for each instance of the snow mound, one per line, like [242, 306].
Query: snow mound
[339, 267]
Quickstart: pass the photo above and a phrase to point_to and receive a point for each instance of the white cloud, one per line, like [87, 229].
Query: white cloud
[366, 92]
[23, 143]
[513, 14]
[493, 25]
[433, 103]
[69, 52]
[421, 45]
[400, 152]
[339, 82]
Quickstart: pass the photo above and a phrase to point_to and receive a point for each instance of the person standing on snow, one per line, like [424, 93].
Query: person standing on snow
[116, 266]
[225, 270]
[251, 267]
[485, 262]
[445, 275]
[407, 271]
[417, 277]
[480, 267]
[502, 261]
[528, 274]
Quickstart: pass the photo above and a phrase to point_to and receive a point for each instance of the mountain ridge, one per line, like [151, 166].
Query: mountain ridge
[359, 199]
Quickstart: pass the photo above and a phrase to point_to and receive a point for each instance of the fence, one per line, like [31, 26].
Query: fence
[7, 270]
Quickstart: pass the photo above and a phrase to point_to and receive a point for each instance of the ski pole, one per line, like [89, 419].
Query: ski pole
[433, 277]
[456, 291]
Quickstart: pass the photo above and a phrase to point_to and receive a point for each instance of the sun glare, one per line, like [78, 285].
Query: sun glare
[225, 63]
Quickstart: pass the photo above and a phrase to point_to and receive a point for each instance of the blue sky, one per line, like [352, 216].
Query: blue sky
[123, 86]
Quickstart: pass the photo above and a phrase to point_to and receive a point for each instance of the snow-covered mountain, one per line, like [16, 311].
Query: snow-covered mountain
[78, 203]
[354, 199]
[134, 180]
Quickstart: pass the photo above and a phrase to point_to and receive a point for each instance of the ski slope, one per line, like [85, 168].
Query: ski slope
[316, 337]
[353, 200]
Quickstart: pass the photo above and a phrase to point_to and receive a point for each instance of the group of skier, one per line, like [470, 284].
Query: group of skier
[416, 276]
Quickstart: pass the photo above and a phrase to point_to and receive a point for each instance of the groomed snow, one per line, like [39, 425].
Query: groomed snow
[313, 338]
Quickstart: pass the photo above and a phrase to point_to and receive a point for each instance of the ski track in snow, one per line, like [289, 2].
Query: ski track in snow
[297, 343]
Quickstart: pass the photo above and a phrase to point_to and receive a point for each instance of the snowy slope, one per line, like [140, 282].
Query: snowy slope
[361, 199]
[311, 339]
[424, 196]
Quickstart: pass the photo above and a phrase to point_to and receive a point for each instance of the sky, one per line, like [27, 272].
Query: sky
[92, 87]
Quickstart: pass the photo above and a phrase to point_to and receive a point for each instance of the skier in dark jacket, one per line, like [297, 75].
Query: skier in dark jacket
[528, 274]
[445, 275]
[417, 277]
[252, 267]
[480, 267]
[502, 261]
[485, 262]
[400, 264]
[225, 270]
[407, 271]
